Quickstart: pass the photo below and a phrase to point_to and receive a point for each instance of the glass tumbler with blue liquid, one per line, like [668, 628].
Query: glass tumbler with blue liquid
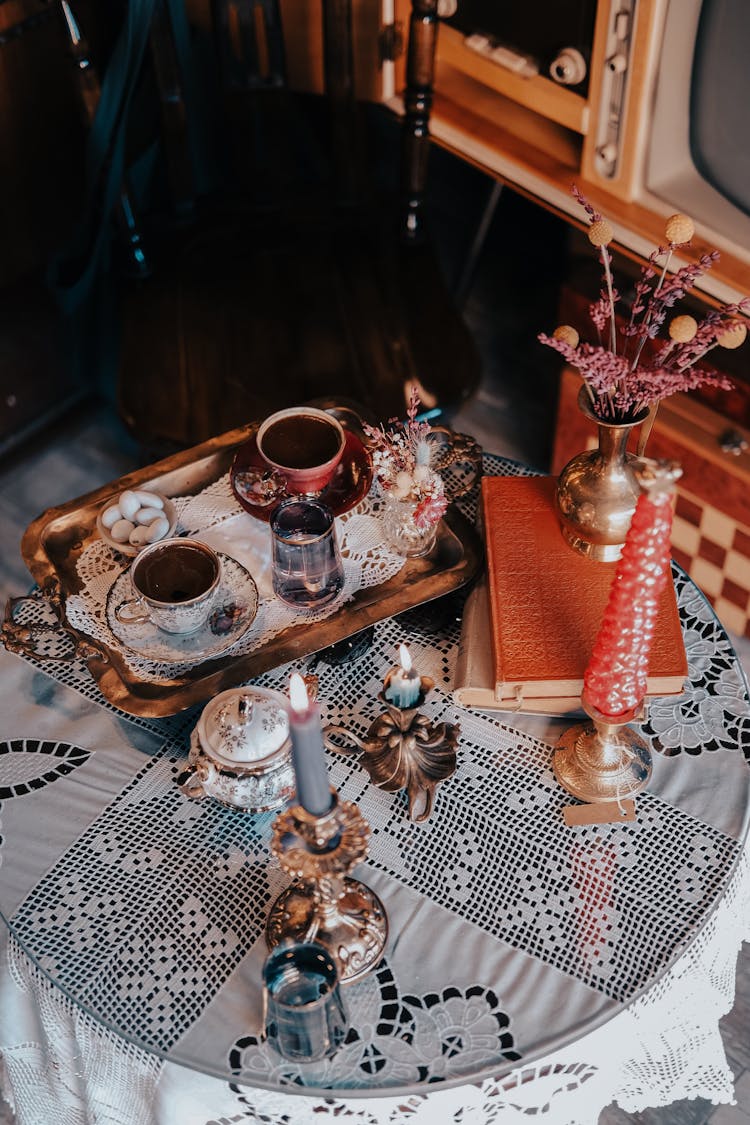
[305, 1016]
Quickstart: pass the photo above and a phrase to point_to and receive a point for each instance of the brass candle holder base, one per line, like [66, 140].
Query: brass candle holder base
[602, 760]
[404, 750]
[324, 904]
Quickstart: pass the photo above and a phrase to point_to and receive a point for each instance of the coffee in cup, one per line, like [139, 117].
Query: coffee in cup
[304, 445]
[175, 583]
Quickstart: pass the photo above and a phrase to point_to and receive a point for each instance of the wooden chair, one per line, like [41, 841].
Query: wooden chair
[293, 285]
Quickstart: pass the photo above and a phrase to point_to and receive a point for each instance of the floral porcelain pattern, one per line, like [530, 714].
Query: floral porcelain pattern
[236, 607]
[256, 788]
[244, 725]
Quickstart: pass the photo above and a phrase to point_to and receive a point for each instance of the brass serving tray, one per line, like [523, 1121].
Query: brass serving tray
[53, 543]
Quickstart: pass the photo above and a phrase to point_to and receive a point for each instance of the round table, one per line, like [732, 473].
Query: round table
[530, 966]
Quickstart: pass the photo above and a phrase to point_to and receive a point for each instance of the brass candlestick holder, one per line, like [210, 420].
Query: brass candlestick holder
[404, 750]
[604, 759]
[324, 904]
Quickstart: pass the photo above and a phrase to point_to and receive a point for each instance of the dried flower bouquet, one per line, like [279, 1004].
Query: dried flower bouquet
[620, 379]
[401, 457]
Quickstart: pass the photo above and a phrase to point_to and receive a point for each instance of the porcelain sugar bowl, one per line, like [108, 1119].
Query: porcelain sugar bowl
[240, 751]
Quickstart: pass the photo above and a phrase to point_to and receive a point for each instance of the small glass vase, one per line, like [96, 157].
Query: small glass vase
[400, 530]
[597, 490]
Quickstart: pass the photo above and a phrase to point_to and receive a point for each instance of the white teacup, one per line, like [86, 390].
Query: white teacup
[175, 583]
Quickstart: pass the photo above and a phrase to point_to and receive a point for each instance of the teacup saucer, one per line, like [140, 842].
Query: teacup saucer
[260, 491]
[236, 607]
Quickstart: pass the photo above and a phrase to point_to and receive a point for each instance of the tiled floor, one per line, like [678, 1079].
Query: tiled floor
[511, 414]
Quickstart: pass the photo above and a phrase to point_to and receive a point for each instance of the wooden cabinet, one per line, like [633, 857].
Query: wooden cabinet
[539, 137]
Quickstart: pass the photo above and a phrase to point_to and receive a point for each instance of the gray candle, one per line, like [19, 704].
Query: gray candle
[313, 787]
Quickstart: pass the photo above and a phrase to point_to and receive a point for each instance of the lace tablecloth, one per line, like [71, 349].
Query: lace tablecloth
[532, 968]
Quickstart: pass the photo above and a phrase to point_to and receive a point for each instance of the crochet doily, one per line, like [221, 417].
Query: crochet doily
[215, 517]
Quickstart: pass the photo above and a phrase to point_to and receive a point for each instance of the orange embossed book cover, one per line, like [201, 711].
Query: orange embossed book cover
[546, 602]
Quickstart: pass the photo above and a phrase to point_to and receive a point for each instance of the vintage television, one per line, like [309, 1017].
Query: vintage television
[641, 102]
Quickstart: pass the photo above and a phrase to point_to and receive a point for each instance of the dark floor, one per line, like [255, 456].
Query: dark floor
[511, 297]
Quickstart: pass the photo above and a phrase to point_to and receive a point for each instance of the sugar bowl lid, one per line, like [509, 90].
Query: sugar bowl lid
[244, 725]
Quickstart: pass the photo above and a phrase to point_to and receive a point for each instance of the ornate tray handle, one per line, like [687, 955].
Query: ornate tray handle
[24, 638]
[457, 449]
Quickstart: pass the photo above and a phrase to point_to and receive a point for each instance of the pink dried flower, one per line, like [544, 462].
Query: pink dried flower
[404, 445]
[620, 382]
[430, 510]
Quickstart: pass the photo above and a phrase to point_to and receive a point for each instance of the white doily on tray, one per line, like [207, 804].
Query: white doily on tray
[215, 517]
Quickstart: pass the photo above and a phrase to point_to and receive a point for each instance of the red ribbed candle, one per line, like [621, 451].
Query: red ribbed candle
[615, 680]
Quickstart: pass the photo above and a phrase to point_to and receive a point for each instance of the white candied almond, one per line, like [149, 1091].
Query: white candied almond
[121, 531]
[129, 504]
[157, 530]
[148, 515]
[111, 515]
[148, 499]
[139, 536]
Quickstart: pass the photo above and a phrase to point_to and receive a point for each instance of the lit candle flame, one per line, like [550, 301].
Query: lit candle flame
[405, 659]
[298, 693]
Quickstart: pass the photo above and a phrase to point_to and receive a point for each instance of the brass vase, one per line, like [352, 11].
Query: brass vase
[597, 491]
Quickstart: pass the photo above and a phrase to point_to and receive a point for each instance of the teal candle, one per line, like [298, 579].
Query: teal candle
[405, 684]
[308, 756]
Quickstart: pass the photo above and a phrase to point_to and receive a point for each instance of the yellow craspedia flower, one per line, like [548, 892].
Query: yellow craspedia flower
[601, 233]
[567, 334]
[682, 328]
[732, 335]
[679, 229]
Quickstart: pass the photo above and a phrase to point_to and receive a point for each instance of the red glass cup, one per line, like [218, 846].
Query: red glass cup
[304, 445]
